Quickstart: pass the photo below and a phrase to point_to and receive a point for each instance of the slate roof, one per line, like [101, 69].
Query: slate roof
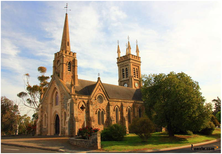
[86, 87]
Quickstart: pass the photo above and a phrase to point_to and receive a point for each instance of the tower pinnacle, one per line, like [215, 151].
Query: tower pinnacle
[137, 49]
[118, 49]
[65, 45]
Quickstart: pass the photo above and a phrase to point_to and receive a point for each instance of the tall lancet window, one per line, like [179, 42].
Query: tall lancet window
[129, 115]
[140, 113]
[137, 72]
[69, 66]
[126, 73]
[102, 117]
[134, 72]
[123, 73]
[56, 98]
[99, 118]
[117, 114]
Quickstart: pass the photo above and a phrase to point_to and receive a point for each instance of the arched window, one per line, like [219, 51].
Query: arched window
[99, 118]
[126, 73]
[123, 73]
[134, 72]
[56, 98]
[117, 114]
[129, 115]
[137, 73]
[140, 113]
[102, 117]
[69, 66]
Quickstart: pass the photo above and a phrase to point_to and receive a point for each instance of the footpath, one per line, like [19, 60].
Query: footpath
[61, 144]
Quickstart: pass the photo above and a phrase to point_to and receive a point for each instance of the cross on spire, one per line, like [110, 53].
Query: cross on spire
[66, 7]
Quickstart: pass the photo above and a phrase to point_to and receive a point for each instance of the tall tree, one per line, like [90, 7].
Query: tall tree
[9, 116]
[31, 97]
[174, 101]
[217, 104]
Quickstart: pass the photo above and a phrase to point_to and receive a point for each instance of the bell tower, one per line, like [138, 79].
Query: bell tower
[65, 61]
[129, 67]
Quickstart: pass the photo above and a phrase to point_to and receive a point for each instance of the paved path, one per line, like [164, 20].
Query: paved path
[52, 143]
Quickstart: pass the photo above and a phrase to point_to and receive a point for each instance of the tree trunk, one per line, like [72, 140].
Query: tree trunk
[170, 131]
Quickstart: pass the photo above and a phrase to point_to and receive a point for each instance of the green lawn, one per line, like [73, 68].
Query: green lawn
[159, 140]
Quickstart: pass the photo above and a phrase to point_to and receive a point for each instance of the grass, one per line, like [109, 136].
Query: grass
[158, 140]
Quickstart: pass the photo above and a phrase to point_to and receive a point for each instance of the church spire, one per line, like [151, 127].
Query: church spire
[129, 47]
[65, 45]
[137, 49]
[118, 49]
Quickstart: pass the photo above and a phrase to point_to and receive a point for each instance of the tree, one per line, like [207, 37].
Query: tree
[31, 97]
[217, 103]
[174, 101]
[218, 116]
[143, 127]
[9, 116]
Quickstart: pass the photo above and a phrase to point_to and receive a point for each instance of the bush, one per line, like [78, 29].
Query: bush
[86, 132]
[114, 132]
[209, 128]
[106, 135]
[143, 127]
[189, 132]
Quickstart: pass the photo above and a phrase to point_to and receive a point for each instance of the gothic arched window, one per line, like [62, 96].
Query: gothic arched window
[134, 72]
[117, 114]
[129, 115]
[99, 118]
[102, 117]
[56, 98]
[69, 66]
[137, 73]
[126, 73]
[123, 73]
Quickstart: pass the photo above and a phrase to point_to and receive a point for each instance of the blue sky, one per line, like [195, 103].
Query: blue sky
[181, 36]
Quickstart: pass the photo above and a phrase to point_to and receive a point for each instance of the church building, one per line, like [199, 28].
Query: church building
[71, 103]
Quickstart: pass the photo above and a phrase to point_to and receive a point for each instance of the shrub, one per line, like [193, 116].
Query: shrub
[189, 132]
[106, 135]
[209, 128]
[143, 127]
[114, 132]
[86, 132]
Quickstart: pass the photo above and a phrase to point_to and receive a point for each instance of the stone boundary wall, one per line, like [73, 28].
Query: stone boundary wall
[94, 142]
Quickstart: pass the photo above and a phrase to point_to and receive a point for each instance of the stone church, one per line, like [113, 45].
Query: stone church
[71, 103]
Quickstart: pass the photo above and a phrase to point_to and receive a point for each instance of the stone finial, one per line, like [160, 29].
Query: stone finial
[118, 49]
[137, 49]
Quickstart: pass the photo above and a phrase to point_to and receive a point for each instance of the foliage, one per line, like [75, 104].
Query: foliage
[31, 97]
[174, 101]
[208, 129]
[189, 132]
[214, 120]
[218, 115]
[9, 116]
[86, 132]
[143, 127]
[115, 132]
[106, 135]
[217, 103]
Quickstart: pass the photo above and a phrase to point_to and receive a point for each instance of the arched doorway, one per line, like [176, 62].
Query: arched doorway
[57, 125]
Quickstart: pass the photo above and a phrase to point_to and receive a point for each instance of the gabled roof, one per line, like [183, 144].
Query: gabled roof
[86, 87]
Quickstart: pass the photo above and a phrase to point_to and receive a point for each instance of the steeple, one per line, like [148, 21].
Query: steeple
[118, 49]
[128, 47]
[137, 49]
[65, 45]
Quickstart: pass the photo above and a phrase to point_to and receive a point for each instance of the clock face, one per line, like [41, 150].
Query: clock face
[136, 85]
[125, 85]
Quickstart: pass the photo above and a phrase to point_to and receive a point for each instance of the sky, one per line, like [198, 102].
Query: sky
[179, 36]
